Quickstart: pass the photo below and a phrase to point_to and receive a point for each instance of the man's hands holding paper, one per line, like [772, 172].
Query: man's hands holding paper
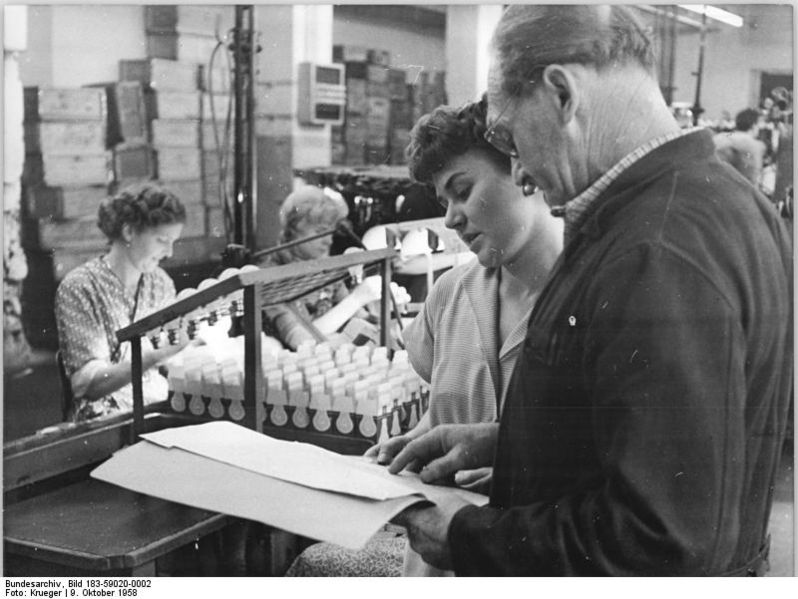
[428, 528]
[459, 453]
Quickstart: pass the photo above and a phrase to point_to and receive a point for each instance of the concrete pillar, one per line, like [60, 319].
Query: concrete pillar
[468, 32]
[288, 35]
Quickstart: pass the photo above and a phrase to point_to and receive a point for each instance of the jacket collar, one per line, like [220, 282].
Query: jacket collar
[682, 151]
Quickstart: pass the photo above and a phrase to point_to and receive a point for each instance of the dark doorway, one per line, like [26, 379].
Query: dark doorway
[770, 81]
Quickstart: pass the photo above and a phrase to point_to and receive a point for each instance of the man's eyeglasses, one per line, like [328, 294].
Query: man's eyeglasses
[499, 137]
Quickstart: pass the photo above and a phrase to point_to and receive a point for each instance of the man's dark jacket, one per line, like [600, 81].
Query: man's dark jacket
[643, 426]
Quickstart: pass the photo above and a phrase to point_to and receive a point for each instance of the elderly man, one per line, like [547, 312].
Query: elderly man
[644, 422]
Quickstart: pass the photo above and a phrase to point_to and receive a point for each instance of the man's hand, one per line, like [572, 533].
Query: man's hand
[446, 449]
[474, 480]
[428, 527]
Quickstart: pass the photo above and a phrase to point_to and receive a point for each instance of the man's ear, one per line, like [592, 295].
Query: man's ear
[563, 88]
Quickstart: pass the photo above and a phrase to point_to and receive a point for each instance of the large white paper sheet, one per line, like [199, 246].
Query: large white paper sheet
[412, 481]
[187, 478]
[232, 479]
[299, 463]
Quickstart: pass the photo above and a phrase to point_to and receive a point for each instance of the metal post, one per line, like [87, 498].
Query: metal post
[254, 407]
[136, 373]
[385, 309]
[243, 131]
[697, 110]
[671, 53]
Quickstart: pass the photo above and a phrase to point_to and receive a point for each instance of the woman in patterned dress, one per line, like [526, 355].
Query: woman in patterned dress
[110, 292]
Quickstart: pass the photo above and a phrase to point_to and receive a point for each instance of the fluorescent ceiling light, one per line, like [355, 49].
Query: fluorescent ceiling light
[679, 18]
[724, 16]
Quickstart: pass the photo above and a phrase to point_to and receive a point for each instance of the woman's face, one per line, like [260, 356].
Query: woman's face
[485, 207]
[146, 248]
[310, 250]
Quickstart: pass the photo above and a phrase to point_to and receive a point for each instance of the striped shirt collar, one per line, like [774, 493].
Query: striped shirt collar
[575, 210]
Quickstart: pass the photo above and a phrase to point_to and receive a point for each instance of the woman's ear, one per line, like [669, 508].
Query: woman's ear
[127, 233]
[563, 88]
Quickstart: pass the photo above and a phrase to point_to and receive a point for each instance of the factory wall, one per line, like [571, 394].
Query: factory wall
[411, 46]
[734, 58]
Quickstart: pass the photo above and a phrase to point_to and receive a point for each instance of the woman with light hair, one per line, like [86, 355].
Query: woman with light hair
[307, 211]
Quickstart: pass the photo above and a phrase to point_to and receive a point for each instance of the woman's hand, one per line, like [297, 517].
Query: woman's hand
[385, 452]
[446, 449]
[370, 290]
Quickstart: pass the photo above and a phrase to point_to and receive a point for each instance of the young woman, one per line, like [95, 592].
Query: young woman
[110, 292]
[467, 337]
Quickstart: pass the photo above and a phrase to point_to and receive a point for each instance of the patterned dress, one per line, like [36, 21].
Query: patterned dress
[91, 304]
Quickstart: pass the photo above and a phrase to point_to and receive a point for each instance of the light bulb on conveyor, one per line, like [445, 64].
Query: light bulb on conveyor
[229, 300]
[356, 272]
[237, 297]
[376, 238]
[174, 327]
[212, 308]
[155, 336]
[416, 243]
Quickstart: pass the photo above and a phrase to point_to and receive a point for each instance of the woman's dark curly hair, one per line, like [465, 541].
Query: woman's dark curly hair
[140, 206]
[446, 133]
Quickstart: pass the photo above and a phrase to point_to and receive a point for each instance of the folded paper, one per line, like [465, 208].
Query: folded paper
[300, 488]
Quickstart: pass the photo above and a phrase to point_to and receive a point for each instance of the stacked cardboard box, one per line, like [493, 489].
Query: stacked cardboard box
[64, 202]
[187, 102]
[172, 107]
[217, 158]
[381, 107]
[363, 139]
[428, 92]
[127, 119]
[400, 138]
[186, 33]
[378, 113]
[65, 137]
[354, 133]
[65, 177]
[401, 115]
[66, 170]
[338, 144]
[350, 53]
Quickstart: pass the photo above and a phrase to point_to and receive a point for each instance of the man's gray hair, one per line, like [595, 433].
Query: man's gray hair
[530, 37]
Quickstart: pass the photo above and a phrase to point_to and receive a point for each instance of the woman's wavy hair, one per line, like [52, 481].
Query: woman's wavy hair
[445, 133]
[529, 37]
[142, 207]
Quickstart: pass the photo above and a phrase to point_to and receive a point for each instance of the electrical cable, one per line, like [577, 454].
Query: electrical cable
[222, 147]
